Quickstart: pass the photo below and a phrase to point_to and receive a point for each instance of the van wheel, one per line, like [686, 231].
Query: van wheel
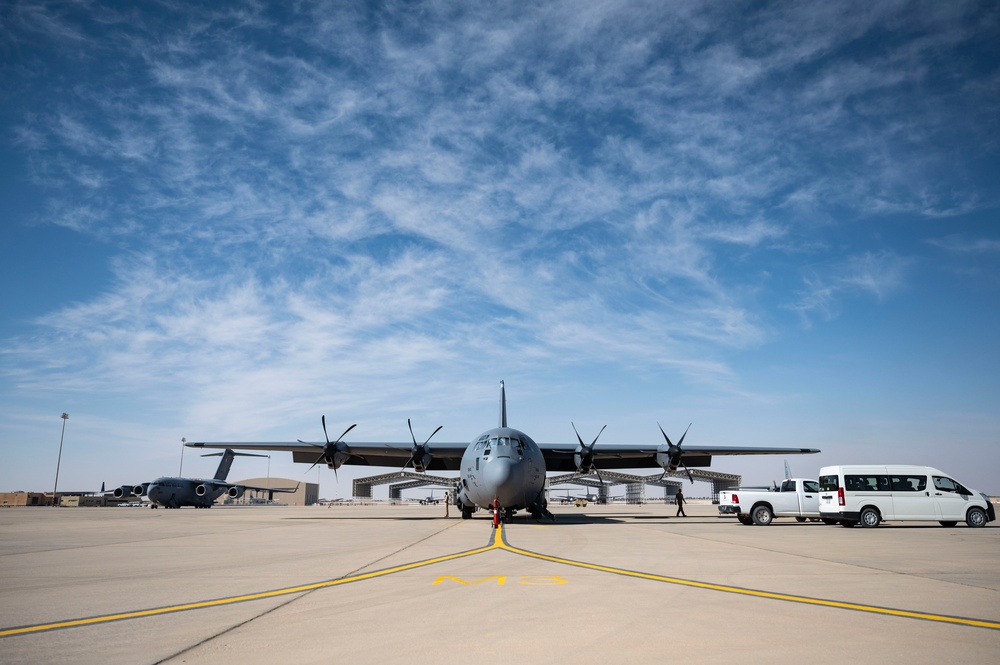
[744, 520]
[762, 515]
[870, 517]
[976, 517]
[949, 523]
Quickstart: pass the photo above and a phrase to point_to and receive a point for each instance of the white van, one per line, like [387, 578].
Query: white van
[870, 494]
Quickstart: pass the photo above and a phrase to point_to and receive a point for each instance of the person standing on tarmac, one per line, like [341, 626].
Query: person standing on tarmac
[679, 500]
[446, 503]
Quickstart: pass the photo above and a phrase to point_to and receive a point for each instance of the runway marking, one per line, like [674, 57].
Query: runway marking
[106, 618]
[498, 541]
[873, 609]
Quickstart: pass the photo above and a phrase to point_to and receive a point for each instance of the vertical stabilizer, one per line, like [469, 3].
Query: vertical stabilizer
[788, 472]
[227, 461]
[503, 406]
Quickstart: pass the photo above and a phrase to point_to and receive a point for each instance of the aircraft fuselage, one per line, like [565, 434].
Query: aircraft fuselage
[177, 492]
[503, 464]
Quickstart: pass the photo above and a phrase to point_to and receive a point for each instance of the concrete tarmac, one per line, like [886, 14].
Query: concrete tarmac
[395, 584]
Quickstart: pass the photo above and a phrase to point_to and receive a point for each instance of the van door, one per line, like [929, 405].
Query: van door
[949, 500]
[911, 498]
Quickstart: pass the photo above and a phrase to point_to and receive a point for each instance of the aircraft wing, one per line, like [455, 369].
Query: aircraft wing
[287, 490]
[444, 456]
[559, 456]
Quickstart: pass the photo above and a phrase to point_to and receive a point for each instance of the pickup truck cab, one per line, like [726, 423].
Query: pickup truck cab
[796, 497]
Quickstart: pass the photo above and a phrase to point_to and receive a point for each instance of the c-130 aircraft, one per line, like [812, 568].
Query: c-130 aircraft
[503, 469]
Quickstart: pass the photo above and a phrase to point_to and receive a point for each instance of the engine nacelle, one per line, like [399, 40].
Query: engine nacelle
[140, 490]
[666, 461]
[123, 491]
[201, 490]
[236, 491]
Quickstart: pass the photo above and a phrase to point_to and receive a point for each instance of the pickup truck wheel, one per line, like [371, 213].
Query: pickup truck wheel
[744, 520]
[976, 517]
[948, 523]
[800, 519]
[828, 521]
[847, 523]
[870, 517]
[762, 515]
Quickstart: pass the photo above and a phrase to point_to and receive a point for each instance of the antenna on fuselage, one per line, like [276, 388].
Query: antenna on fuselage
[503, 406]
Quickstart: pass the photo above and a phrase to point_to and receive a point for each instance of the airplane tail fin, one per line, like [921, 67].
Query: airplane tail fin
[503, 406]
[227, 462]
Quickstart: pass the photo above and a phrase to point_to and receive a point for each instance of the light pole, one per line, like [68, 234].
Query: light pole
[65, 417]
[180, 471]
[268, 484]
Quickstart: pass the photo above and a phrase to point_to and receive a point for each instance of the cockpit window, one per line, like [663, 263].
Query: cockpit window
[505, 446]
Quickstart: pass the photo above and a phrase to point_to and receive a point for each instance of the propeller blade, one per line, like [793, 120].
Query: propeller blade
[432, 434]
[684, 435]
[667, 438]
[341, 438]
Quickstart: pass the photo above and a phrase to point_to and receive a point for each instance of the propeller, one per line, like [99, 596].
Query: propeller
[584, 455]
[332, 449]
[673, 454]
[420, 454]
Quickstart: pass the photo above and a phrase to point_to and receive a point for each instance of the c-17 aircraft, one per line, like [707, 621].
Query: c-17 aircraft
[177, 492]
[503, 469]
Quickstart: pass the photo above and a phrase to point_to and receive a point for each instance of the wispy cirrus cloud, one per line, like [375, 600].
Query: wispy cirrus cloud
[874, 274]
[375, 192]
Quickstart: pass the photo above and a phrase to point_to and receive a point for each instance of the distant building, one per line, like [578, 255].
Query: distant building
[307, 494]
[22, 499]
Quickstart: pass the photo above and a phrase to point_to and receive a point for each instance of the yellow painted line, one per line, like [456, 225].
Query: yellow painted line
[873, 609]
[498, 541]
[71, 623]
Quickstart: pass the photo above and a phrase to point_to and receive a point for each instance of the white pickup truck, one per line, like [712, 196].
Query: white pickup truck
[796, 497]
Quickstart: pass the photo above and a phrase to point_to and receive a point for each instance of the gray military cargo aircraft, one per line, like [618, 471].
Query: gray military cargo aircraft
[171, 492]
[503, 469]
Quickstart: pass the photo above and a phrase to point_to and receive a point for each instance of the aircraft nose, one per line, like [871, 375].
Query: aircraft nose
[502, 478]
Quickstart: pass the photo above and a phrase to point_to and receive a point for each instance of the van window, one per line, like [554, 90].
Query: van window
[866, 483]
[828, 483]
[945, 484]
[908, 483]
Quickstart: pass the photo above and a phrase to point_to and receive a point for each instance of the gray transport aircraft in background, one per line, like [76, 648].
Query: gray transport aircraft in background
[200, 493]
[503, 468]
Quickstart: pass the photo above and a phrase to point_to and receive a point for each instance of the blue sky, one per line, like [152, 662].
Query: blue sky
[777, 221]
